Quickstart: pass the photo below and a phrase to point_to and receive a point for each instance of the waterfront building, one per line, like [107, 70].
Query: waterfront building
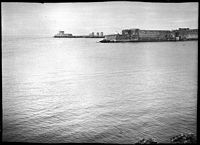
[101, 34]
[185, 33]
[97, 33]
[154, 34]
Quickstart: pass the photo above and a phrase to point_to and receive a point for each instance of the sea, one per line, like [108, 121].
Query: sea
[77, 90]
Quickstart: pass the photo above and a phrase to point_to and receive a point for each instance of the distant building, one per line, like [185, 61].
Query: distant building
[185, 33]
[101, 34]
[61, 32]
[92, 34]
[97, 33]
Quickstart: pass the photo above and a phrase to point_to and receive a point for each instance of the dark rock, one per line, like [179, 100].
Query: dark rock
[146, 141]
[105, 41]
[183, 139]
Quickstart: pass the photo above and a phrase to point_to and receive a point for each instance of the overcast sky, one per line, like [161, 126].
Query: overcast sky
[83, 18]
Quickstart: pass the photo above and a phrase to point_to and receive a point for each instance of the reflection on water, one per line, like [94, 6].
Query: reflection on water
[77, 90]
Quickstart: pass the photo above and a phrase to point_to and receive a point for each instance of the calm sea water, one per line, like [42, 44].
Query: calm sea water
[77, 90]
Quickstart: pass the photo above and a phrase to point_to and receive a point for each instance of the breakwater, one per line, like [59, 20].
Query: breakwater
[81, 36]
[137, 35]
[62, 34]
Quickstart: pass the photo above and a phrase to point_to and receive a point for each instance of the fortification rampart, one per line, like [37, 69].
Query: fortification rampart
[154, 35]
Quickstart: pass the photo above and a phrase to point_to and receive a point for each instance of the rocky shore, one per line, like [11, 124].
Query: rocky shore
[178, 139]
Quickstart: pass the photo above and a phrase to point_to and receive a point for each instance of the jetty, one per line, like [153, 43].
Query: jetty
[62, 34]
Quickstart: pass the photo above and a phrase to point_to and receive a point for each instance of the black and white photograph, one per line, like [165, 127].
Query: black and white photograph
[104, 72]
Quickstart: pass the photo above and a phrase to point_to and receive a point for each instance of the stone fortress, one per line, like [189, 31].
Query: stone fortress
[137, 35]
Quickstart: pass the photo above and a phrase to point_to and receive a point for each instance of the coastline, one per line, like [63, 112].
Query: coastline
[187, 138]
[137, 41]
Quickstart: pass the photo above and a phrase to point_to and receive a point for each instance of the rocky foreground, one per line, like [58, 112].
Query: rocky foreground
[179, 139]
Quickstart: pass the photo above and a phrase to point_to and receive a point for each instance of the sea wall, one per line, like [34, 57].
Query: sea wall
[155, 35]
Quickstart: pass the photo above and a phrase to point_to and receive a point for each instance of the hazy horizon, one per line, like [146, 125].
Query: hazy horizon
[84, 18]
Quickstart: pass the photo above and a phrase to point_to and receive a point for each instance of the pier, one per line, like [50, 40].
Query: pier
[62, 34]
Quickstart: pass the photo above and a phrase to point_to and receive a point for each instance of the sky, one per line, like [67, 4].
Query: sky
[84, 18]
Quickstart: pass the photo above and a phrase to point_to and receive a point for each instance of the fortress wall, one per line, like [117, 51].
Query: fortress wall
[154, 34]
[187, 33]
[112, 37]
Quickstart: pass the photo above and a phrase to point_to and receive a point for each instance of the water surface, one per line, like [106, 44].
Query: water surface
[77, 90]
